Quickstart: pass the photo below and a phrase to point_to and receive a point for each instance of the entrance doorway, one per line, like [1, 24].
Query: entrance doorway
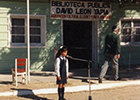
[77, 36]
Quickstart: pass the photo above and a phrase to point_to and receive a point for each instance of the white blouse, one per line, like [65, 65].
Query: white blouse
[57, 65]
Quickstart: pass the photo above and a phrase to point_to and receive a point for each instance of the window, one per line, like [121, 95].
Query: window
[18, 31]
[130, 32]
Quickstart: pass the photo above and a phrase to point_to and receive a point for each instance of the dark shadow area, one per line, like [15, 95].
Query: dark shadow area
[78, 39]
[87, 81]
[45, 74]
[27, 93]
[6, 82]
[82, 74]
[124, 73]
[132, 74]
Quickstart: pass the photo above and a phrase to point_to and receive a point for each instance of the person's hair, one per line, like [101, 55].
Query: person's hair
[63, 49]
[114, 27]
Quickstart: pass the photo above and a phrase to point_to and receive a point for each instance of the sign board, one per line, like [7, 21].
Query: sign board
[81, 10]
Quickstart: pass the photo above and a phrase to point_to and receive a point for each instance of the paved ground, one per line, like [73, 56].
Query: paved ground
[40, 80]
[123, 93]
[120, 93]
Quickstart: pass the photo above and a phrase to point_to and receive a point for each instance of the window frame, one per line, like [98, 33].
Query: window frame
[24, 45]
[132, 43]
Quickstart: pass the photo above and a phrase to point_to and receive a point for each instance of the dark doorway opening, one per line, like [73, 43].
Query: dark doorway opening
[77, 36]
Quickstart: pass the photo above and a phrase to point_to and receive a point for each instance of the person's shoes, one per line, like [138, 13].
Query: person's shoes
[99, 80]
[118, 79]
[64, 99]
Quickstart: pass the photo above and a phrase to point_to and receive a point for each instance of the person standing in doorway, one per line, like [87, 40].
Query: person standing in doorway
[61, 69]
[112, 53]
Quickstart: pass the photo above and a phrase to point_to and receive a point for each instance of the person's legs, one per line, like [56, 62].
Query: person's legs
[60, 91]
[115, 66]
[104, 67]
[63, 90]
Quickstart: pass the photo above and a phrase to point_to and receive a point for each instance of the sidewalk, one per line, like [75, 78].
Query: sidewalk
[44, 82]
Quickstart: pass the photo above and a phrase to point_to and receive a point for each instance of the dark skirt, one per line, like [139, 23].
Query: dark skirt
[62, 81]
[63, 73]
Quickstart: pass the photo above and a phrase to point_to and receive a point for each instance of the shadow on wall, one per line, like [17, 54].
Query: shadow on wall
[126, 10]
[45, 59]
[42, 59]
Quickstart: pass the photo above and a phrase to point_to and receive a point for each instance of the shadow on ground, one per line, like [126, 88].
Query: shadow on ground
[28, 93]
[43, 73]
[6, 82]
[125, 73]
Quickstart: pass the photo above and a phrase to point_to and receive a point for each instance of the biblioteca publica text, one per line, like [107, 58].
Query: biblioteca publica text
[69, 7]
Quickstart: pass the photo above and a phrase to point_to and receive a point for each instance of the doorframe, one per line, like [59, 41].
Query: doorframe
[95, 43]
[95, 40]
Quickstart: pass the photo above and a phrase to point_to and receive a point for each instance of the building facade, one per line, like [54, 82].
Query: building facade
[53, 24]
